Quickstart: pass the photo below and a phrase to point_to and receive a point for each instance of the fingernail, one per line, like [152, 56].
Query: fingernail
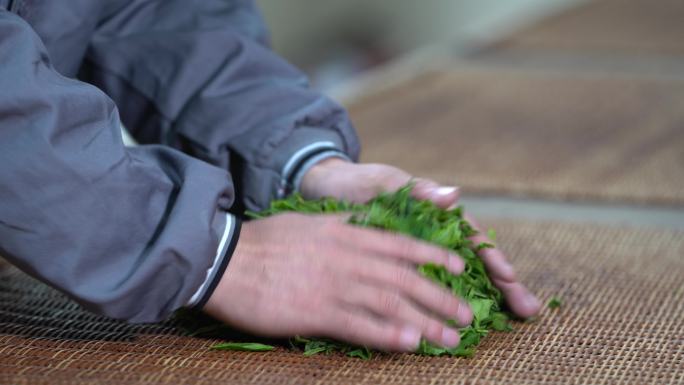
[409, 338]
[450, 338]
[445, 190]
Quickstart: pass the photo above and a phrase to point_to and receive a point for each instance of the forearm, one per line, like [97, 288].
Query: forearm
[130, 233]
[239, 107]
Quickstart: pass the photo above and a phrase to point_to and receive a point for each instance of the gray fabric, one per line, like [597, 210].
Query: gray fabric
[198, 76]
[133, 233]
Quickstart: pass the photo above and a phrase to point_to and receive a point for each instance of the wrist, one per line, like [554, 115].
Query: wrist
[318, 174]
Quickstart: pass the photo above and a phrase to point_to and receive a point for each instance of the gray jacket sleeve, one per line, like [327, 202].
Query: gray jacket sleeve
[133, 233]
[200, 77]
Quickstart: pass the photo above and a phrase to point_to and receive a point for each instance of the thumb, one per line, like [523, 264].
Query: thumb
[442, 196]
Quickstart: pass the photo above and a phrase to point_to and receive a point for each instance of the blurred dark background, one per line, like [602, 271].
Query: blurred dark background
[562, 109]
[334, 40]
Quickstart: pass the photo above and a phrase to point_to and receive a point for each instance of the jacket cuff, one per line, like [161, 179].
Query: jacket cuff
[273, 176]
[297, 152]
[224, 252]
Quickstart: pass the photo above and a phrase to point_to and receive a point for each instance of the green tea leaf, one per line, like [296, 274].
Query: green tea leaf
[243, 346]
[554, 303]
[400, 213]
[500, 322]
[362, 353]
[481, 308]
[316, 350]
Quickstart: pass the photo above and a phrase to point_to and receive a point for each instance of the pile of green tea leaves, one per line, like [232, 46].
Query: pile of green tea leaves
[399, 212]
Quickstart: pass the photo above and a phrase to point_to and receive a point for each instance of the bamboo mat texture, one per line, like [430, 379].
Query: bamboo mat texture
[620, 323]
[548, 134]
[607, 27]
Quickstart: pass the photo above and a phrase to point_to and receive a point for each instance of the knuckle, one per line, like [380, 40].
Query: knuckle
[348, 326]
[422, 322]
[402, 277]
[391, 178]
[390, 303]
[398, 242]
[433, 329]
[445, 296]
[393, 339]
[440, 299]
[440, 255]
[418, 250]
[448, 302]
[408, 246]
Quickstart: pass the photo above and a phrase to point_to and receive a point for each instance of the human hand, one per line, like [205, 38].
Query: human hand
[315, 275]
[361, 182]
[338, 178]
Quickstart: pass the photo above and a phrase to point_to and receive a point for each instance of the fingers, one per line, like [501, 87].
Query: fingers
[495, 261]
[377, 242]
[406, 280]
[397, 308]
[358, 327]
[522, 301]
[393, 178]
[442, 196]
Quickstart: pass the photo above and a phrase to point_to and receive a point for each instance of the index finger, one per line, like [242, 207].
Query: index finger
[495, 260]
[522, 301]
[392, 245]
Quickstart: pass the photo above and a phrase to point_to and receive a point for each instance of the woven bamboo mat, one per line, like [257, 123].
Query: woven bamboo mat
[620, 323]
[543, 134]
[608, 26]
